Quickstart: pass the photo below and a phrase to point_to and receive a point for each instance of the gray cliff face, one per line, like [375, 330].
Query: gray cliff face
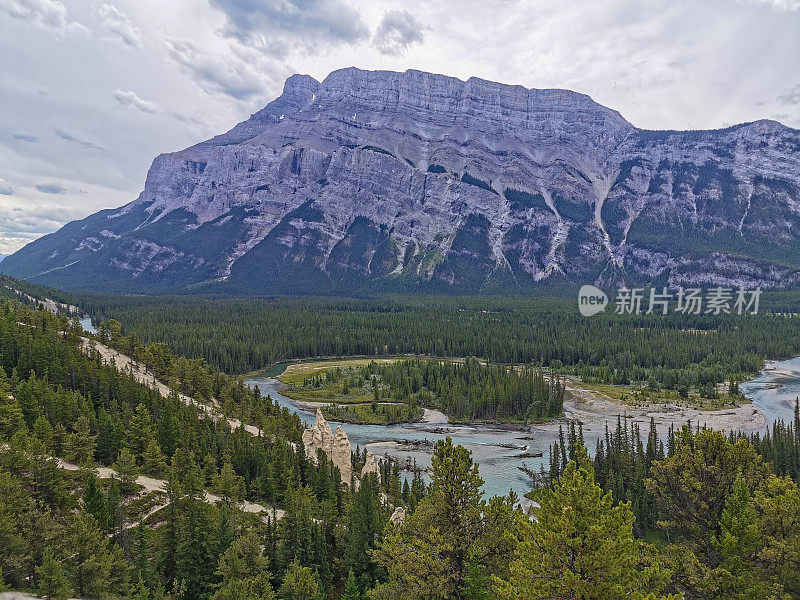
[414, 181]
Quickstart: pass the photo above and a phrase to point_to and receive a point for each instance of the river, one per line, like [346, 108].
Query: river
[500, 451]
[496, 450]
[86, 323]
[775, 389]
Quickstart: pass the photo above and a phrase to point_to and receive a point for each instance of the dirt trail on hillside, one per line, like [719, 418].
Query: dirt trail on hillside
[151, 485]
[126, 364]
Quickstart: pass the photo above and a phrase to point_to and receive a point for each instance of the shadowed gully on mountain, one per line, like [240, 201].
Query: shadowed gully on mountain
[376, 180]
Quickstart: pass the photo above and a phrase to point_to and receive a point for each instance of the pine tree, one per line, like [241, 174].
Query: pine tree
[432, 554]
[351, 589]
[90, 562]
[53, 583]
[125, 468]
[364, 529]
[79, 445]
[95, 502]
[194, 559]
[11, 417]
[139, 433]
[299, 583]
[229, 485]
[243, 569]
[44, 433]
[242, 560]
[153, 460]
[693, 484]
[580, 545]
[739, 575]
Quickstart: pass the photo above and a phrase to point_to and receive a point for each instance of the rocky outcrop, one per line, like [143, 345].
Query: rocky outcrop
[419, 181]
[370, 466]
[336, 446]
[398, 516]
[341, 454]
[318, 437]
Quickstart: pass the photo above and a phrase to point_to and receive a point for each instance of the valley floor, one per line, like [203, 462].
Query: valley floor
[594, 409]
[586, 403]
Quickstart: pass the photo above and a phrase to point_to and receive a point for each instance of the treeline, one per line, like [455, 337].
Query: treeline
[242, 335]
[724, 517]
[191, 376]
[624, 456]
[472, 390]
[723, 526]
[10, 288]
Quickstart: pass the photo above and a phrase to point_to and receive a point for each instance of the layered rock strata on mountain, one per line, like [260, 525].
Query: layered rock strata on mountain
[377, 180]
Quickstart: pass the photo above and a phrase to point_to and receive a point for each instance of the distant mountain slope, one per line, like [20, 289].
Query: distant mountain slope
[414, 181]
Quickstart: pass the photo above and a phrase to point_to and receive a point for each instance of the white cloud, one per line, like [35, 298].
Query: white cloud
[397, 31]
[784, 5]
[216, 73]
[49, 14]
[119, 25]
[790, 95]
[131, 99]
[23, 223]
[5, 188]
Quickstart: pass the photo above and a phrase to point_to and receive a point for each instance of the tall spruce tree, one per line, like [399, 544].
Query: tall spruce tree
[580, 545]
[445, 548]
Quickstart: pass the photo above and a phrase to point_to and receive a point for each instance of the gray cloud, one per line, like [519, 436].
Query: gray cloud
[690, 64]
[397, 31]
[5, 188]
[66, 136]
[48, 14]
[131, 99]
[50, 188]
[215, 73]
[20, 225]
[328, 20]
[784, 5]
[790, 95]
[42, 220]
[24, 137]
[119, 26]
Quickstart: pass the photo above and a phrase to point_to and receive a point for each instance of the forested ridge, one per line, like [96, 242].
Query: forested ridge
[243, 335]
[58, 401]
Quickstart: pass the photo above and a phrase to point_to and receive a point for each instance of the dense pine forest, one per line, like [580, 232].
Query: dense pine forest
[674, 351]
[464, 391]
[66, 528]
[110, 488]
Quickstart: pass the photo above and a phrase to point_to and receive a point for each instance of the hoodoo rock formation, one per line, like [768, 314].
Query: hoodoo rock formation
[336, 447]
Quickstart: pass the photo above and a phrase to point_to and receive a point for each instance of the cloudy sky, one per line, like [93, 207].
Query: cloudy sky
[91, 91]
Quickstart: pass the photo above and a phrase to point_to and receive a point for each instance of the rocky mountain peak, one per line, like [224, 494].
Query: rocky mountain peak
[380, 180]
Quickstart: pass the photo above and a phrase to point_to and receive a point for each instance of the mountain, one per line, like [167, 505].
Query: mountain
[376, 180]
